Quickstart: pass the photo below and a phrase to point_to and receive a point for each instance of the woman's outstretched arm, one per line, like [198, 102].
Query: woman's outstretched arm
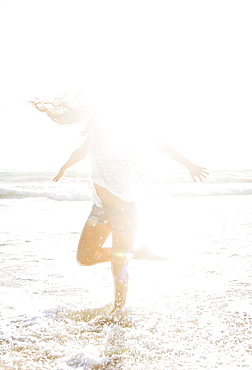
[75, 157]
[195, 171]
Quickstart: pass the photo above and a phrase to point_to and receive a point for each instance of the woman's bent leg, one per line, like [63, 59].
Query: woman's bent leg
[92, 238]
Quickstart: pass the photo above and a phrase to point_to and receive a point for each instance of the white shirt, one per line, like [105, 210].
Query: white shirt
[112, 155]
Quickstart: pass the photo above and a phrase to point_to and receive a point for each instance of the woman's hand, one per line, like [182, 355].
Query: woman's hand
[59, 175]
[197, 171]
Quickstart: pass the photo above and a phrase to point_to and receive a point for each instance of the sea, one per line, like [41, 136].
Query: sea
[192, 310]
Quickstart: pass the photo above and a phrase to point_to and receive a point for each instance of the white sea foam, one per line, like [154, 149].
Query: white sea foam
[85, 360]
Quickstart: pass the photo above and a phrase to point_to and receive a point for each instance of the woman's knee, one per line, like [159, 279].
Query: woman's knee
[85, 258]
[82, 261]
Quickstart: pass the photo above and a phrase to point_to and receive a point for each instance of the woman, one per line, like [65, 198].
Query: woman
[115, 186]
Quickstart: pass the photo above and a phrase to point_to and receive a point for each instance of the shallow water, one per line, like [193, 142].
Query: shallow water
[193, 311]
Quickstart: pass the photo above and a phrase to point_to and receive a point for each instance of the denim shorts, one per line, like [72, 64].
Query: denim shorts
[120, 216]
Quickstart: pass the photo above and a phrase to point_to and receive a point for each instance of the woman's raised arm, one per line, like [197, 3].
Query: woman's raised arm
[74, 158]
[195, 171]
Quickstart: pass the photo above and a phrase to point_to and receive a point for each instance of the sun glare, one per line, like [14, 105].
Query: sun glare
[152, 75]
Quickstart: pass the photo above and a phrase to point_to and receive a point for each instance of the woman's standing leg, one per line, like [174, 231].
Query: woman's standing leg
[121, 250]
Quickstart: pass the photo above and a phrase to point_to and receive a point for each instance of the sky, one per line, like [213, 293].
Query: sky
[179, 68]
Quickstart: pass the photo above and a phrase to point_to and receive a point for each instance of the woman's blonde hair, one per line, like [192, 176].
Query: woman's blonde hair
[65, 109]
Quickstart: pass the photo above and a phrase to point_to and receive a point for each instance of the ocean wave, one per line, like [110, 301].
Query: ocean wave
[60, 196]
[215, 177]
[85, 195]
[222, 192]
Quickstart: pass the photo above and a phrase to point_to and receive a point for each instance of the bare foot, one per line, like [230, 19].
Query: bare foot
[118, 310]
